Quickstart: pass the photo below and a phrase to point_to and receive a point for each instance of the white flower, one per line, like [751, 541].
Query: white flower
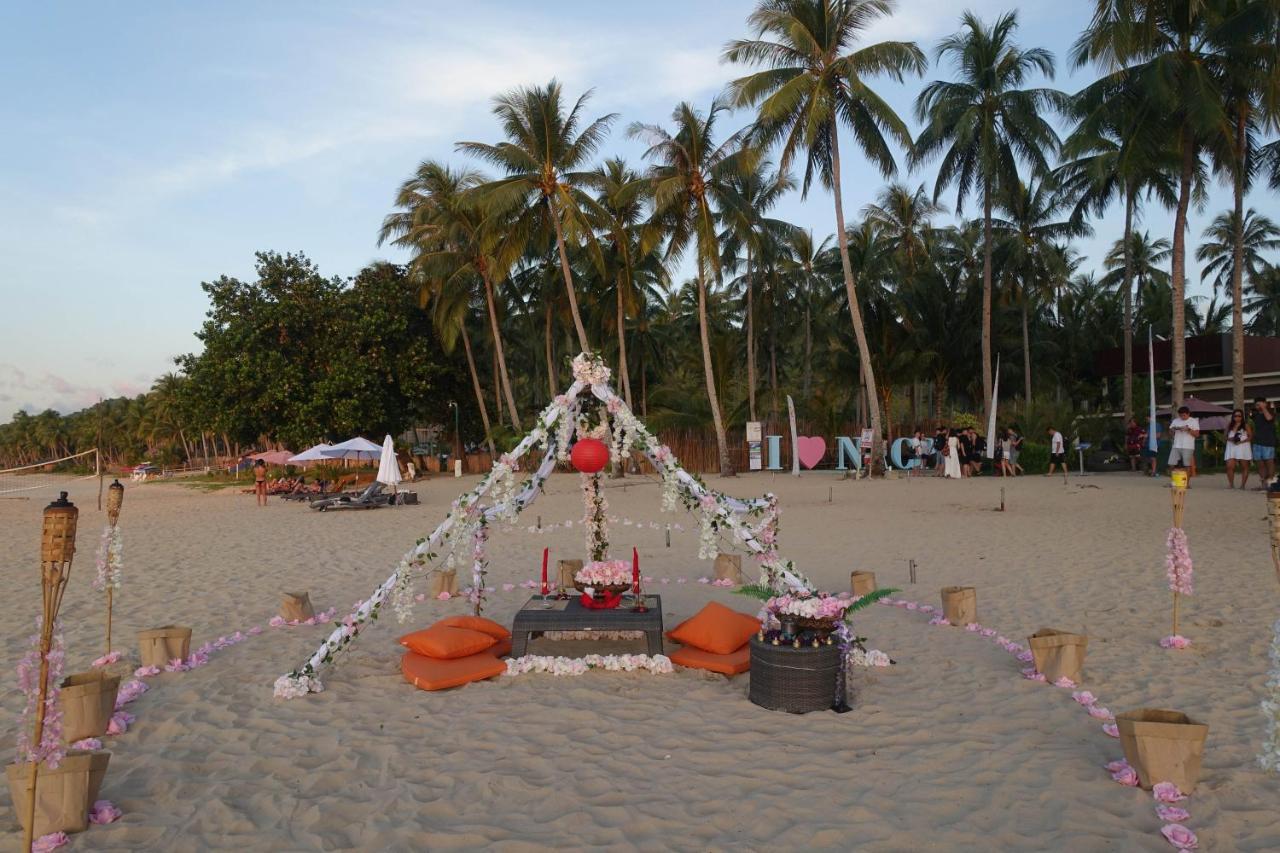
[291, 687]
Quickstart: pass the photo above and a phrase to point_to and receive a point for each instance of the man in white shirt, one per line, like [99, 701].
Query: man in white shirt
[1184, 430]
[1057, 453]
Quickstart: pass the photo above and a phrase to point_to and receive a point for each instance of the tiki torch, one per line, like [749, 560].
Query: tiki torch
[115, 500]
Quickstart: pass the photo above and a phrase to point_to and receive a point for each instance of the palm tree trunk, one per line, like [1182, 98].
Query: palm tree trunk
[1026, 353]
[751, 342]
[1128, 307]
[808, 347]
[568, 277]
[497, 386]
[551, 360]
[986, 300]
[722, 444]
[1178, 273]
[623, 376]
[1237, 266]
[855, 311]
[495, 332]
[773, 369]
[475, 384]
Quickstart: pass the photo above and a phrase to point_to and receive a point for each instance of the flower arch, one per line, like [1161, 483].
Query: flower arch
[500, 498]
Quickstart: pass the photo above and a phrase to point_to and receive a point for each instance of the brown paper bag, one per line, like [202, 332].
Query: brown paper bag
[729, 566]
[88, 701]
[444, 581]
[1163, 746]
[567, 569]
[1058, 653]
[161, 645]
[63, 795]
[960, 604]
[862, 583]
[296, 607]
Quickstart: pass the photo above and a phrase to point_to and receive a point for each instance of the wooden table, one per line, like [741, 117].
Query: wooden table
[569, 615]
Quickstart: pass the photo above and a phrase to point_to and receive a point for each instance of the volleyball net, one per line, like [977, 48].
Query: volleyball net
[50, 473]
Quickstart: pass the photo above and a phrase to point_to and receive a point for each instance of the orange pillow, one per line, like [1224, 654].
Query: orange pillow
[477, 623]
[731, 664]
[716, 629]
[445, 643]
[431, 674]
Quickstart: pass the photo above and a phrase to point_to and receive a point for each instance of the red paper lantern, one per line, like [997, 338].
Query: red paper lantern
[589, 455]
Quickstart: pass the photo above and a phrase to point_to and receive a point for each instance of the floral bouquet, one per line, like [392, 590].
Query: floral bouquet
[819, 612]
[604, 577]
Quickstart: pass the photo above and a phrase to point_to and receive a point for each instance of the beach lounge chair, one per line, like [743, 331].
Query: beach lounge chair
[371, 498]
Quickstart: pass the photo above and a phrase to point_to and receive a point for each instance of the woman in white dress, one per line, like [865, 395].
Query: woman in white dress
[1239, 448]
[952, 466]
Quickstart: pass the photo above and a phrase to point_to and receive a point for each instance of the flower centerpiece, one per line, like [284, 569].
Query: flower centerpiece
[604, 576]
[800, 610]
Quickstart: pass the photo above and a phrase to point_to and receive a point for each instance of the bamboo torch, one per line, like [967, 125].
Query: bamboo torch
[1273, 516]
[1178, 492]
[115, 500]
[57, 548]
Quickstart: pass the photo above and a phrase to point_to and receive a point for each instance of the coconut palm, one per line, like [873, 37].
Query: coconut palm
[451, 310]
[803, 261]
[815, 81]
[1171, 51]
[751, 195]
[690, 177]
[1262, 303]
[543, 156]
[454, 245]
[983, 125]
[1226, 240]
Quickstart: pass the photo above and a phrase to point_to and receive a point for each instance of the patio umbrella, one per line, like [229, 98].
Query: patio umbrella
[1211, 415]
[388, 467]
[274, 457]
[353, 448]
[311, 454]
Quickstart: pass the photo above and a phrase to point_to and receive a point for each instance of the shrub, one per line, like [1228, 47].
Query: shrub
[1034, 458]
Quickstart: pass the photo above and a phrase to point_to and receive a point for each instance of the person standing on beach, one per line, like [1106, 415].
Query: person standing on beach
[1057, 453]
[1134, 436]
[1015, 449]
[1185, 430]
[1239, 453]
[260, 481]
[1264, 440]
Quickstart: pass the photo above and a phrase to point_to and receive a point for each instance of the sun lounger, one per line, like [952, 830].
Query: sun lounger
[370, 498]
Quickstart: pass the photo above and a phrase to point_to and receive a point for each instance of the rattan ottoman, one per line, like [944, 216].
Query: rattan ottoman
[784, 678]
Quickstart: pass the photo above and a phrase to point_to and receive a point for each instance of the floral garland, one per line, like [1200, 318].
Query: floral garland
[1179, 570]
[1269, 758]
[50, 749]
[560, 665]
[594, 517]
[479, 566]
[110, 558]
[589, 369]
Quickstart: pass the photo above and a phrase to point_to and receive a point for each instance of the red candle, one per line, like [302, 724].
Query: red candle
[545, 588]
[635, 571]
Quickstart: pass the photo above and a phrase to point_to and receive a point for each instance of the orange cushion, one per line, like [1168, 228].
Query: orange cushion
[477, 623]
[433, 674]
[446, 643]
[716, 629]
[500, 649]
[731, 664]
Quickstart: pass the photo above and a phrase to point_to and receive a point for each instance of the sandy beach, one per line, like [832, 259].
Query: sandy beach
[948, 750]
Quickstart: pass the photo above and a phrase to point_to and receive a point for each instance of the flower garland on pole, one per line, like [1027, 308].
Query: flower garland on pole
[1269, 758]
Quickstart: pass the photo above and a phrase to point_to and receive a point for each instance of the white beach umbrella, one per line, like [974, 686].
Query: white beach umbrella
[311, 454]
[353, 448]
[388, 467]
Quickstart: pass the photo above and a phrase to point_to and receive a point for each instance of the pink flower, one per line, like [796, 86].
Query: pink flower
[104, 811]
[1111, 730]
[1117, 765]
[1167, 792]
[120, 722]
[1031, 674]
[1126, 776]
[87, 743]
[988, 632]
[1179, 836]
[46, 843]
[1084, 697]
[255, 630]
[507, 587]
[1026, 657]
[110, 657]
[1175, 641]
[444, 595]
[1064, 682]
[911, 605]
[973, 627]
[1100, 713]
[938, 620]
[144, 671]
[276, 622]
[1172, 814]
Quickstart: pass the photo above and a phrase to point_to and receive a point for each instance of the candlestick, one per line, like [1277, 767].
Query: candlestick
[545, 589]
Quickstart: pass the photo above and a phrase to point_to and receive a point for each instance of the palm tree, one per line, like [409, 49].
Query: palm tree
[690, 176]
[449, 316]
[543, 156]
[1223, 248]
[804, 257]
[751, 195]
[1263, 302]
[1028, 238]
[983, 124]
[621, 197]
[813, 83]
[454, 245]
[1166, 50]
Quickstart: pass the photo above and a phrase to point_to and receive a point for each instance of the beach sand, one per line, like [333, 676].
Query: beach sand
[948, 750]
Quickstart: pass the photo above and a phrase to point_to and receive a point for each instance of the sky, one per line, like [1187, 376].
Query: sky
[150, 147]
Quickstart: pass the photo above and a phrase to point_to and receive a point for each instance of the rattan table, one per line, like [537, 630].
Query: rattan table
[798, 680]
[569, 615]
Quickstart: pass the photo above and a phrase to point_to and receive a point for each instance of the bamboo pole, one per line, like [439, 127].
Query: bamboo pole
[115, 501]
[1178, 493]
[1273, 516]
